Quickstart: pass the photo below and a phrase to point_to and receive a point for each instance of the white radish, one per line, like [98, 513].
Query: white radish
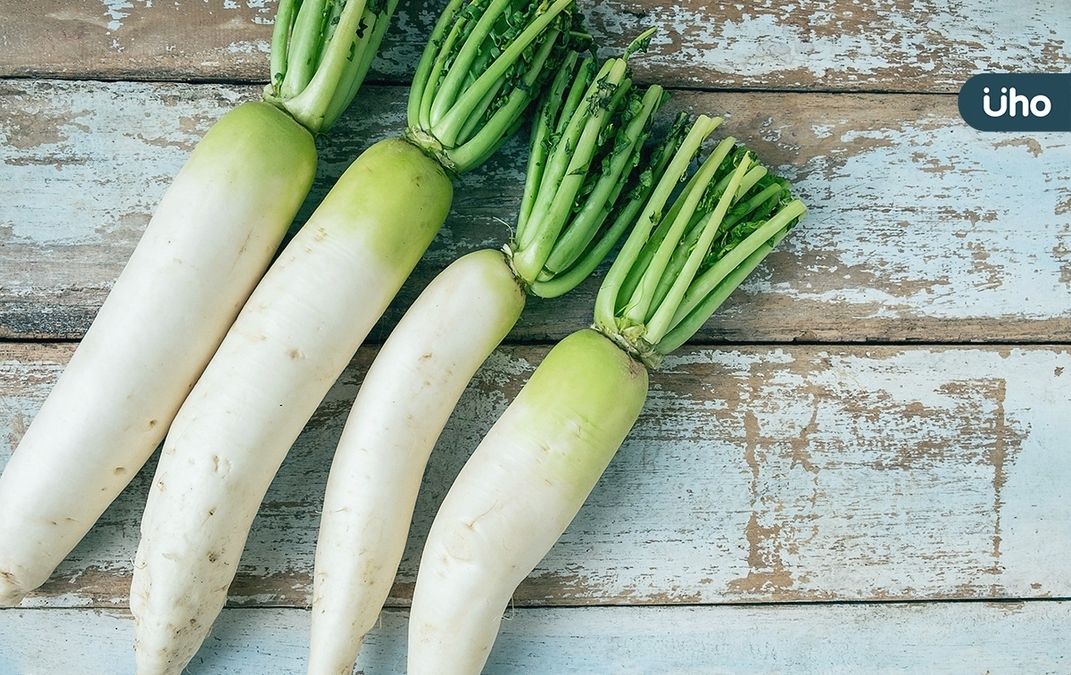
[516, 494]
[293, 338]
[374, 480]
[207, 245]
[530, 475]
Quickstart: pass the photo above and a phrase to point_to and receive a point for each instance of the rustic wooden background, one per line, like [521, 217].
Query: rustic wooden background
[862, 464]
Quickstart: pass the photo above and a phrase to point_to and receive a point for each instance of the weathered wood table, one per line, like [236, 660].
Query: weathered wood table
[862, 464]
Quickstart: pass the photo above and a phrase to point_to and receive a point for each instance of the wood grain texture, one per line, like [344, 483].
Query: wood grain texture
[755, 474]
[184, 40]
[907, 639]
[838, 45]
[919, 229]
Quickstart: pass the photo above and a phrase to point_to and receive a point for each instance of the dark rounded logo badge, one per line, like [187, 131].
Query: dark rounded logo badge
[1017, 102]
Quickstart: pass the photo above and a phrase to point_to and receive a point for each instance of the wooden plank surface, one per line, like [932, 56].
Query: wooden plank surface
[920, 228]
[839, 45]
[907, 639]
[755, 474]
[793, 499]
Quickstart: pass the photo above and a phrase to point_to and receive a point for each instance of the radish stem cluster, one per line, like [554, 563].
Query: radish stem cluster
[321, 51]
[690, 248]
[485, 62]
[587, 139]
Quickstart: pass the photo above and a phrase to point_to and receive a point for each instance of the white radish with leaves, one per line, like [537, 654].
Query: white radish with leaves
[585, 148]
[302, 325]
[292, 339]
[208, 243]
[532, 472]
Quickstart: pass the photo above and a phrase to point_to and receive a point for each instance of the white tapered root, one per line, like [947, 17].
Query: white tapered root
[294, 337]
[403, 404]
[205, 248]
[516, 495]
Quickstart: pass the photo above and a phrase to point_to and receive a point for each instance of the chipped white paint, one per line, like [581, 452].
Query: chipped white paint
[840, 44]
[118, 10]
[843, 44]
[114, 10]
[110, 180]
[818, 474]
[943, 219]
[256, 47]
